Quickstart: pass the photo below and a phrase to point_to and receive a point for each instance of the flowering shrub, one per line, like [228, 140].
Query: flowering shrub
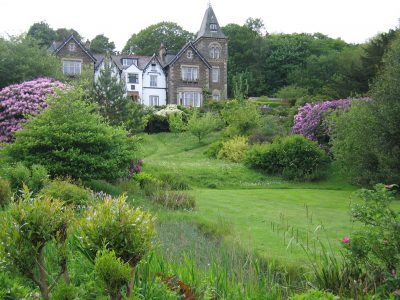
[135, 167]
[18, 101]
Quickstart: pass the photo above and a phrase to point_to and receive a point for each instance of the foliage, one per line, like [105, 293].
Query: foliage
[174, 181]
[201, 126]
[18, 102]
[168, 110]
[127, 231]
[101, 44]
[373, 159]
[22, 59]
[19, 175]
[64, 291]
[269, 128]
[113, 104]
[311, 119]
[178, 200]
[240, 86]
[372, 250]
[64, 33]
[5, 192]
[157, 123]
[213, 149]
[234, 149]
[43, 33]
[112, 271]
[29, 226]
[69, 139]
[242, 118]
[148, 40]
[294, 157]
[144, 178]
[176, 123]
[67, 192]
[315, 295]
[292, 93]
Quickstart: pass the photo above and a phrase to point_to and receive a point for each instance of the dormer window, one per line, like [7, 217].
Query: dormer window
[72, 47]
[126, 62]
[213, 27]
[189, 54]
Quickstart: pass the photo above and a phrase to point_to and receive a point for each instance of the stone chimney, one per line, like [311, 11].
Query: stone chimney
[87, 44]
[162, 52]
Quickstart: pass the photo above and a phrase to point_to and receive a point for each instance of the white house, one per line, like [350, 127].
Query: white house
[154, 84]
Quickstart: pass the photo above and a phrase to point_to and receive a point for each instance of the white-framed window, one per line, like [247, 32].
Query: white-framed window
[190, 73]
[213, 27]
[189, 54]
[129, 61]
[216, 95]
[153, 80]
[72, 67]
[154, 100]
[133, 78]
[215, 74]
[215, 52]
[72, 47]
[153, 67]
[190, 99]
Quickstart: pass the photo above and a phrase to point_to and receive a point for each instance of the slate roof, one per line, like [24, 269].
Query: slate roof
[210, 18]
[59, 45]
[142, 60]
[189, 44]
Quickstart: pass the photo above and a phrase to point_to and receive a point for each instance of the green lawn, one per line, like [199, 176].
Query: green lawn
[263, 213]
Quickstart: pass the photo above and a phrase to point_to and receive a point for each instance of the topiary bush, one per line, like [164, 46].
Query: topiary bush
[5, 192]
[294, 157]
[234, 149]
[18, 101]
[71, 140]
[68, 192]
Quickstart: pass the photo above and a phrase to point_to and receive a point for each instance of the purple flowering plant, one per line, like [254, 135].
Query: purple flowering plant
[20, 101]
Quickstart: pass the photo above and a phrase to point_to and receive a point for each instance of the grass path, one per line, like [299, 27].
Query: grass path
[260, 212]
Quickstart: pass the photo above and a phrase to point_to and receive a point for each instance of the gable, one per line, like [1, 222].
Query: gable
[189, 53]
[73, 48]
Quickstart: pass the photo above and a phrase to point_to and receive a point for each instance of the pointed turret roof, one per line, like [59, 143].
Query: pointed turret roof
[209, 26]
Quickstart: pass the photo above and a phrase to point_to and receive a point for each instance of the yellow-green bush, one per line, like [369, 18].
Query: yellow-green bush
[234, 149]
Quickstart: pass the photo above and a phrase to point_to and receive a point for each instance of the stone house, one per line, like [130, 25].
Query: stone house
[199, 68]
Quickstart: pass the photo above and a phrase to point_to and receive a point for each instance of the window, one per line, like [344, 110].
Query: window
[72, 47]
[190, 73]
[153, 67]
[153, 80]
[189, 54]
[72, 67]
[191, 99]
[133, 78]
[153, 100]
[215, 74]
[216, 95]
[213, 27]
[129, 61]
[215, 52]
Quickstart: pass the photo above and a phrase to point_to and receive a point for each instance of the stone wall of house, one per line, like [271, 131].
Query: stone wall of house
[203, 45]
[78, 54]
[175, 82]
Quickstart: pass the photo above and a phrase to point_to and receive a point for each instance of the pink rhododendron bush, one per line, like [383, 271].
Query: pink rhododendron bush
[19, 101]
[311, 119]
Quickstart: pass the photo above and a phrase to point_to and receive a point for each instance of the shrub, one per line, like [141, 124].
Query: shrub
[18, 175]
[268, 129]
[70, 140]
[5, 192]
[127, 231]
[242, 118]
[293, 157]
[292, 93]
[315, 295]
[372, 250]
[64, 291]
[157, 123]
[21, 100]
[234, 149]
[201, 126]
[29, 226]
[176, 123]
[213, 149]
[144, 179]
[112, 271]
[174, 181]
[68, 192]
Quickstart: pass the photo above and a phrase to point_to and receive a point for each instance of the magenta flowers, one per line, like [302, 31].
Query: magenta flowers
[19, 101]
[346, 240]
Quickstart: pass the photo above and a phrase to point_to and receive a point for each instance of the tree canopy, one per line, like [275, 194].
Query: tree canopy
[101, 44]
[43, 33]
[148, 40]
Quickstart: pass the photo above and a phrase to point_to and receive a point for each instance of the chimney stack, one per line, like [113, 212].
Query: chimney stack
[162, 52]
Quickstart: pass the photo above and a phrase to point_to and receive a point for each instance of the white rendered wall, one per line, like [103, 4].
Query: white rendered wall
[139, 85]
[160, 90]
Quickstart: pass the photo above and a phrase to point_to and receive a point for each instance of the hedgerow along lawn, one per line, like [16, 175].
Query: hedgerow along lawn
[262, 213]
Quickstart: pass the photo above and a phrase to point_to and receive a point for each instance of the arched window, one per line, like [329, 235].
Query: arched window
[215, 52]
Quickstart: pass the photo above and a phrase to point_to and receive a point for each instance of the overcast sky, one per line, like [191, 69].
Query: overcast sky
[352, 20]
